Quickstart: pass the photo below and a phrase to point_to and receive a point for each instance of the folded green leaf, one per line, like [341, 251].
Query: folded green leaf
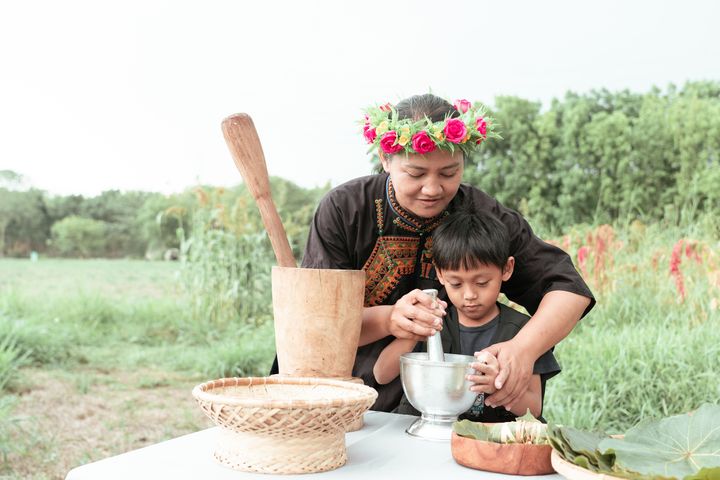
[525, 429]
[478, 431]
[580, 448]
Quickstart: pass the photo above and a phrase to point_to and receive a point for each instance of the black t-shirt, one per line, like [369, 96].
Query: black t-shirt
[360, 225]
[474, 339]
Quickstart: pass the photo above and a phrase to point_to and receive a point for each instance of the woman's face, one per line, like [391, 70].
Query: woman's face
[425, 184]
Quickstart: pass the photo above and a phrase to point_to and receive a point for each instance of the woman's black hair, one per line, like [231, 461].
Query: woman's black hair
[428, 105]
[467, 239]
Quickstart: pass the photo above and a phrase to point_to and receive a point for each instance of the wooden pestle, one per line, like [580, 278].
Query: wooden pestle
[244, 144]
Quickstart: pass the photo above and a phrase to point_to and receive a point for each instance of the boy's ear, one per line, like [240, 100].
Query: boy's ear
[508, 269]
[440, 276]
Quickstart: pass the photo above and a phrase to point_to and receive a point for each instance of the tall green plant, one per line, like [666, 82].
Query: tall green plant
[226, 265]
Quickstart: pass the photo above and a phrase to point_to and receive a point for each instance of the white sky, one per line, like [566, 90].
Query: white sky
[130, 94]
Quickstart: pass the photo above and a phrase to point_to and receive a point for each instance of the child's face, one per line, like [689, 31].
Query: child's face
[474, 292]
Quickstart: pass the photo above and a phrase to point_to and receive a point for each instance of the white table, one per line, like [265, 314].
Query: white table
[381, 449]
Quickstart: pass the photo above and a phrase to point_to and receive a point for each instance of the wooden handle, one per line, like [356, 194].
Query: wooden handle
[244, 144]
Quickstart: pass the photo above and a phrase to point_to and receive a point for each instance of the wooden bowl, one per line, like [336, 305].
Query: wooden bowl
[576, 472]
[508, 458]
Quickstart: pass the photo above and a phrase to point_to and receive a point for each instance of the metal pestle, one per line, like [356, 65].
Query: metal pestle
[434, 343]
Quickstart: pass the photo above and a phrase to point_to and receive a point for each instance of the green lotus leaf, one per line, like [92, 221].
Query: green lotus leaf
[677, 446]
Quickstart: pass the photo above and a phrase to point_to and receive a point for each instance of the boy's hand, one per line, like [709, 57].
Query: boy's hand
[416, 316]
[486, 370]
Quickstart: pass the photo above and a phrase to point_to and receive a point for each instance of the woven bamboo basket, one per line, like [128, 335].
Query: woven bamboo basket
[282, 424]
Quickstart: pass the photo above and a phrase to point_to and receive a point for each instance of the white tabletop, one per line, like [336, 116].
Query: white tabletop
[381, 449]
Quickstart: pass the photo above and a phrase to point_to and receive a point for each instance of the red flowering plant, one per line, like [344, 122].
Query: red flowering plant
[385, 132]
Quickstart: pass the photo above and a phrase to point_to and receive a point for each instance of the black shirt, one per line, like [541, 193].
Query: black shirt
[474, 339]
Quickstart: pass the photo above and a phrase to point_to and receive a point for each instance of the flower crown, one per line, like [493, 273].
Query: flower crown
[384, 131]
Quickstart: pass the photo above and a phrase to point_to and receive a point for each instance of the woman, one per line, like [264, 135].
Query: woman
[381, 224]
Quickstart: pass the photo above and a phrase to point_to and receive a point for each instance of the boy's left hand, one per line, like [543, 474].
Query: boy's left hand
[486, 370]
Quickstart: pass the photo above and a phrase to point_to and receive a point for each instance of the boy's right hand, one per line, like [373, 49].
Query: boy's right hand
[486, 368]
[416, 316]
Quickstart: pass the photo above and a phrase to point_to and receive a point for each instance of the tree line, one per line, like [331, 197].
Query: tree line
[599, 157]
[606, 156]
[133, 224]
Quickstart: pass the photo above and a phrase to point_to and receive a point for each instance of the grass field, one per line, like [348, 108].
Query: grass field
[108, 357]
[99, 357]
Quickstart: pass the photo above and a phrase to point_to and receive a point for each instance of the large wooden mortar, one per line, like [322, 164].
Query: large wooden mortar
[318, 315]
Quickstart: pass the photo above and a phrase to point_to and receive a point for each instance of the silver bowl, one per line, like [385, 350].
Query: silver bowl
[438, 390]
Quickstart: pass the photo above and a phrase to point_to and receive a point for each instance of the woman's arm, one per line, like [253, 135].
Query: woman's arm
[413, 317]
[375, 322]
[387, 366]
[531, 399]
[558, 313]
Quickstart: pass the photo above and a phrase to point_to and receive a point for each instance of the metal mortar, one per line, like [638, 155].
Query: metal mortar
[438, 390]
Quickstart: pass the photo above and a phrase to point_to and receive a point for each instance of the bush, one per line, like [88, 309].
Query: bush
[79, 237]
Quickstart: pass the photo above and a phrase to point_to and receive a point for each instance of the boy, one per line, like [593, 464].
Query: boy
[471, 256]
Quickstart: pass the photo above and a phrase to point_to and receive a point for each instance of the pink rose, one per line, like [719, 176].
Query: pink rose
[482, 128]
[370, 133]
[422, 143]
[386, 108]
[462, 105]
[388, 142]
[455, 130]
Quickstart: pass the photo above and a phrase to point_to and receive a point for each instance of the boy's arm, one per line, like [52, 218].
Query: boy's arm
[387, 366]
[531, 399]
[486, 370]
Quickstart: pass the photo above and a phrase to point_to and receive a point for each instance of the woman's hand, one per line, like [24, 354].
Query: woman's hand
[486, 367]
[416, 316]
[516, 368]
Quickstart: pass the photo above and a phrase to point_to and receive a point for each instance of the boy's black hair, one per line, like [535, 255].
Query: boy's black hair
[467, 239]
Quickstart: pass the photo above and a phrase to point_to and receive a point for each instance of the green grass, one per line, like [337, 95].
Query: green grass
[124, 279]
[124, 312]
[90, 320]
